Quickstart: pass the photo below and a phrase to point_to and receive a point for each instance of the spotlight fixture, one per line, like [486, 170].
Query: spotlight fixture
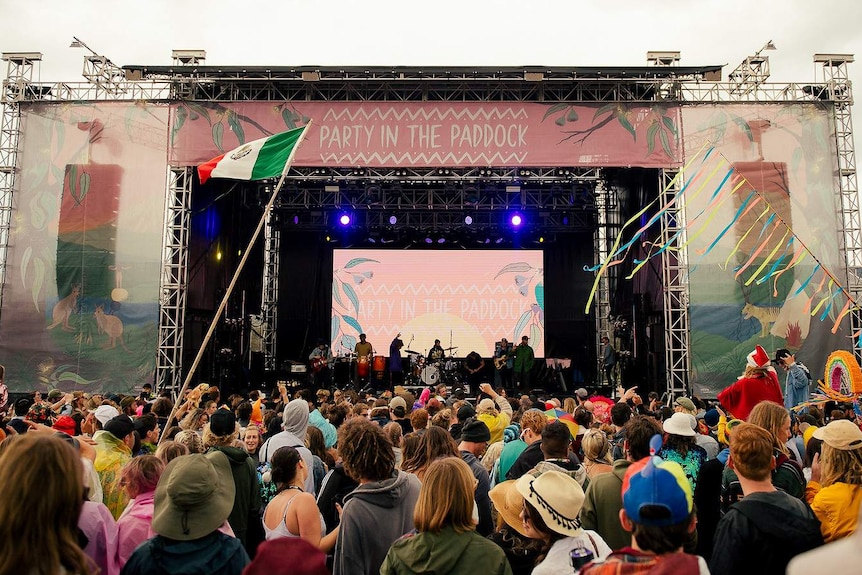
[516, 220]
[393, 220]
[468, 220]
[344, 219]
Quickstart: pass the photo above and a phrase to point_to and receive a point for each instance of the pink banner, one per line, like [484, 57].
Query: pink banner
[424, 134]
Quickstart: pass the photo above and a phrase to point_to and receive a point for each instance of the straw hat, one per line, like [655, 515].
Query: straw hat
[840, 434]
[509, 504]
[557, 497]
[194, 496]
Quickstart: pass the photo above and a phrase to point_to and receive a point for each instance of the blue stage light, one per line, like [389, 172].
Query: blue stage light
[344, 219]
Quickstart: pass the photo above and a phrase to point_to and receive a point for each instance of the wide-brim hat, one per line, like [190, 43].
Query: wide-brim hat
[194, 496]
[557, 497]
[679, 424]
[509, 503]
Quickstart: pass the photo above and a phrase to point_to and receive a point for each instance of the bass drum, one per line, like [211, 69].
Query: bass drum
[430, 375]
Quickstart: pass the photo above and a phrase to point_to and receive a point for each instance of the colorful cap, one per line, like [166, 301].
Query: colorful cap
[653, 482]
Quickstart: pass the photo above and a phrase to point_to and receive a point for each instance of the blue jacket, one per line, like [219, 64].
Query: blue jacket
[795, 387]
[213, 554]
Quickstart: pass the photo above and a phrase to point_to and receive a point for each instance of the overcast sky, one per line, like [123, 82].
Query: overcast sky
[438, 33]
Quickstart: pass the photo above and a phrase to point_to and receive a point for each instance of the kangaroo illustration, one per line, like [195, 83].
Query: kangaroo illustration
[111, 325]
[63, 309]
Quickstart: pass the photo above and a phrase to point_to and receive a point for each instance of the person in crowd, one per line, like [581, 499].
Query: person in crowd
[446, 542]
[758, 383]
[193, 442]
[316, 419]
[680, 447]
[603, 497]
[434, 444]
[474, 364]
[419, 420]
[39, 511]
[621, 413]
[287, 556]
[764, 530]
[462, 412]
[139, 478]
[684, 405]
[320, 359]
[251, 442]
[294, 428]
[510, 534]
[704, 433]
[148, 430]
[495, 411]
[552, 502]
[113, 450]
[168, 450]
[533, 423]
[835, 489]
[556, 439]
[597, 453]
[396, 367]
[380, 509]
[293, 512]
[220, 434]
[315, 443]
[796, 386]
[491, 458]
[523, 364]
[504, 363]
[192, 501]
[474, 442]
[775, 419]
[658, 511]
[398, 414]
[394, 433]
[609, 361]
[195, 421]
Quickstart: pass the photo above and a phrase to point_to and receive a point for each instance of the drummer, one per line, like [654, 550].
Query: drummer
[437, 353]
[364, 351]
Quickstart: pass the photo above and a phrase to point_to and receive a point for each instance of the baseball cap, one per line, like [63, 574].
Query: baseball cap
[396, 402]
[840, 434]
[105, 413]
[655, 483]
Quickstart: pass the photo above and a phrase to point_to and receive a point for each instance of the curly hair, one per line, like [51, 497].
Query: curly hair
[365, 450]
[534, 420]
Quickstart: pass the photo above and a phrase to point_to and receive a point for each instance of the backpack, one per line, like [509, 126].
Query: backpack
[807, 372]
[268, 489]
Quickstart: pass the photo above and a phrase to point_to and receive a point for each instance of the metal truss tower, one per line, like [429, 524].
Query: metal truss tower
[839, 91]
[175, 259]
[269, 297]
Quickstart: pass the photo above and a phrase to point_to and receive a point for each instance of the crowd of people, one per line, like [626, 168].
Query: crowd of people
[331, 481]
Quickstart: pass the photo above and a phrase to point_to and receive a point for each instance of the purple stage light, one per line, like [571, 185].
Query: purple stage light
[344, 219]
[516, 220]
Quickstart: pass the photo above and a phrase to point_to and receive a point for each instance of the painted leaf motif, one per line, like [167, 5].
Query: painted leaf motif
[572, 116]
[522, 323]
[604, 110]
[513, 267]
[351, 321]
[218, 136]
[236, 126]
[336, 291]
[665, 144]
[200, 110]
[743, 125]
[351, 295]
[356, 261]
[668, 122]
[358, 279]
[348, 342]
[553, 110]
[624, 122]
[540, 294]
[84, 187]
[73, 377]
[38, 280]
[179, 120]
[535, 335]
[287, 118]
[25, 261]
[561, 121]
[335, 327]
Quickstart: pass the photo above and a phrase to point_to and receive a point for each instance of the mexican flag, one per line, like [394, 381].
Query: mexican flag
[257, 160]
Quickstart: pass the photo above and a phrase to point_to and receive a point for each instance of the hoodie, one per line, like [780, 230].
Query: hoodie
[247, 501]
[602, 503]
[213, 554]
[446, 552]
[375, 515]
[295, 425]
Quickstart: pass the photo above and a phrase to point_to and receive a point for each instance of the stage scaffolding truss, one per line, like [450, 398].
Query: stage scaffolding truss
[424, 198]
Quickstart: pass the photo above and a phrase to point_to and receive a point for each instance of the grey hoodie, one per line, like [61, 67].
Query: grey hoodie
[295, 425]
[375, 515]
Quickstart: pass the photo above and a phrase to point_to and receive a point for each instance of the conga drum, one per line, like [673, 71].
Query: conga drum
[378, 366]
[363, 366]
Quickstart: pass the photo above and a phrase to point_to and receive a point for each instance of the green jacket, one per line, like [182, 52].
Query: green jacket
[445, 553]
[524, 357]
[602, 503]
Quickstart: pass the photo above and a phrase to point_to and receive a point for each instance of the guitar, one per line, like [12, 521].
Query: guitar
[500, 362]
[319, 363]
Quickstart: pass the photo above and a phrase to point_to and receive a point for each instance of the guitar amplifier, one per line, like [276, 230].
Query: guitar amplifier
[298, 368]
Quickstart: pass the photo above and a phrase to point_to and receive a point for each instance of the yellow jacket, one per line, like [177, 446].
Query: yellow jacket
[836, 506]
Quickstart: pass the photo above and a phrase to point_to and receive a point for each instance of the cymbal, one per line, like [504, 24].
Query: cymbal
[410, 351]
[449, 348]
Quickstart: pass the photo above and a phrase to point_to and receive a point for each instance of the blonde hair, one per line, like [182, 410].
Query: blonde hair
[570, 405]
[596, 446]
[43, 492]
[446, 497]
[534, 420]
[840, 466]
[771, 417]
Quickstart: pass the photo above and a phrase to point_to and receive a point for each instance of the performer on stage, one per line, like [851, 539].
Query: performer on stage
[437, 352]
[609, 361]
[362, 368]
[396, 370]
[503, 362]
[320, 358]
[523, 363]
[473, 365]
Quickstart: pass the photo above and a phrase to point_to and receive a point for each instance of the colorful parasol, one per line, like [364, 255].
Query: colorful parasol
[563, 417]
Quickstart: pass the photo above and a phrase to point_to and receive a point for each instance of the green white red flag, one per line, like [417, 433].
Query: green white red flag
[256, 160]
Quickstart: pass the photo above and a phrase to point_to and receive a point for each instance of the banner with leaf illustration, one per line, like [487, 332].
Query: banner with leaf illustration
[80, 303]
[431, 134]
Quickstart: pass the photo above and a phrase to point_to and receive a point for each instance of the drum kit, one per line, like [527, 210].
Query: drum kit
[424, 372]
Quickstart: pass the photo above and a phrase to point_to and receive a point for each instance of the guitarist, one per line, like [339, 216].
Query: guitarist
[503, 362]
[320, 358]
